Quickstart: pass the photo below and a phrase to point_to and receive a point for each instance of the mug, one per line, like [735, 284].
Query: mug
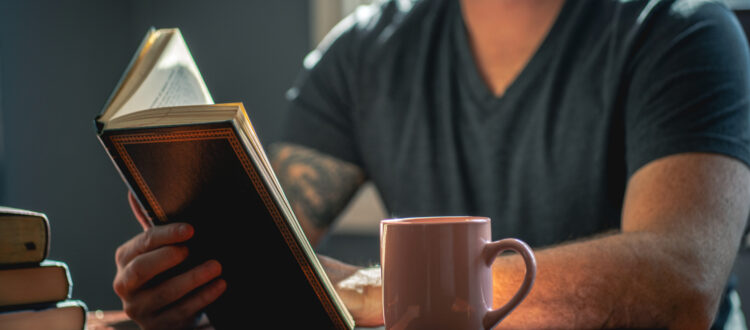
[436, 273]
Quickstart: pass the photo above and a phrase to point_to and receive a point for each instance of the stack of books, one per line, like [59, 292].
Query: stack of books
[35, 293]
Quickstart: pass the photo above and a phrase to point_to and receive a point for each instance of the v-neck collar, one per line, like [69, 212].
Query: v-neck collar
[470, 68]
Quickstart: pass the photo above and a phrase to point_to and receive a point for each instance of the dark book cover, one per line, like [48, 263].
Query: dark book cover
[203, 174]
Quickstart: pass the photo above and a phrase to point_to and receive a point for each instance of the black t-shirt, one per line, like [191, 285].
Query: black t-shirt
[615, 84]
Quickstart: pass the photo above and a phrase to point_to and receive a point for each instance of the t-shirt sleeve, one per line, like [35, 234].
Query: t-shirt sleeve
[689, 87]
[321, 99]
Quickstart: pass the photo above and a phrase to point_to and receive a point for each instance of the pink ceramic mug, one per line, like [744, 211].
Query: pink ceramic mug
[436, 273]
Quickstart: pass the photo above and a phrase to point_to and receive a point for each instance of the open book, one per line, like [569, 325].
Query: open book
[189, 160]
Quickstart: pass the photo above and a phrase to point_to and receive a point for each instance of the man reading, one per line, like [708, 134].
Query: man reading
[613, 136]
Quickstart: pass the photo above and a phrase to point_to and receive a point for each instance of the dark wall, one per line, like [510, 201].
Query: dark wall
[59, 60]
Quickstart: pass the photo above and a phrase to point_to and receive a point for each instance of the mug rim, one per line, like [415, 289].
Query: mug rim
[438, 220]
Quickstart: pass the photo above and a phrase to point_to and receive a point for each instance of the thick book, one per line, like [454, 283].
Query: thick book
[65, 315]
[24, 237]
[39, 285]
[188, 160]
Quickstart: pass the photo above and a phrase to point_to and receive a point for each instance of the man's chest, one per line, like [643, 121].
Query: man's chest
[545, 157]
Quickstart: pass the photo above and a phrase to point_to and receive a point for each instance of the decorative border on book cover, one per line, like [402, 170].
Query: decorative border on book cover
[119, 142]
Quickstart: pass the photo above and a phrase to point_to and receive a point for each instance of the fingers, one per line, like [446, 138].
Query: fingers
[142, 217]
[175, 302]
[173, 289]
[143, 268]
[336, 270]
[195, 302]
[152, 239]
[147, 306]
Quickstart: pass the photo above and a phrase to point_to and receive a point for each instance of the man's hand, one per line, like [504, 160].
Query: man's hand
[359, 288]
[175, 302]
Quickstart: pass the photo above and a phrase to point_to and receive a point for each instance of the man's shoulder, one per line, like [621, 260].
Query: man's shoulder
[669, 13]
[637, 32]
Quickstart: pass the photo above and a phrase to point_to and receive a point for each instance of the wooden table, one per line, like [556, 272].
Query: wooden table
[117, 320]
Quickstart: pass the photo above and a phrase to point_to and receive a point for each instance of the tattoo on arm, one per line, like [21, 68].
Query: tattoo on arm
[317, 185]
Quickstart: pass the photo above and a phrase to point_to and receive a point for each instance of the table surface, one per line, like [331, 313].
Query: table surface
[114, 320]
[117, 320]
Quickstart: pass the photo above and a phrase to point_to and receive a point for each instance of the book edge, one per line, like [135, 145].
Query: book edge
[68, 303]
[6, 210]
[44, 304]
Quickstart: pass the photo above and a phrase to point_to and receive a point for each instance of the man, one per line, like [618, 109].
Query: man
[613, 136]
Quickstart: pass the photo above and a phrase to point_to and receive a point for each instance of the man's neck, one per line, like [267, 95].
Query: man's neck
[505, 34]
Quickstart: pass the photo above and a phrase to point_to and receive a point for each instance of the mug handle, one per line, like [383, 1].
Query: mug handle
[491, 250]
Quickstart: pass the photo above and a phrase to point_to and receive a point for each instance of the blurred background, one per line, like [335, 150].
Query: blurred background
[60, 60]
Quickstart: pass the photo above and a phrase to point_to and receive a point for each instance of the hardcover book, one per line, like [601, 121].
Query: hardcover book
[39, 285]
[188, 160]
[65, 315]
[24, 237]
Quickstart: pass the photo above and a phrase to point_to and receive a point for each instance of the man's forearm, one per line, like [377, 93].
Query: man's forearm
[681, 227]
[682, 221]
[615, 281]
[622, 280]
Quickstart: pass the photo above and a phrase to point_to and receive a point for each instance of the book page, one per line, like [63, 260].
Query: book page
[179, 88]
[174, 80]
